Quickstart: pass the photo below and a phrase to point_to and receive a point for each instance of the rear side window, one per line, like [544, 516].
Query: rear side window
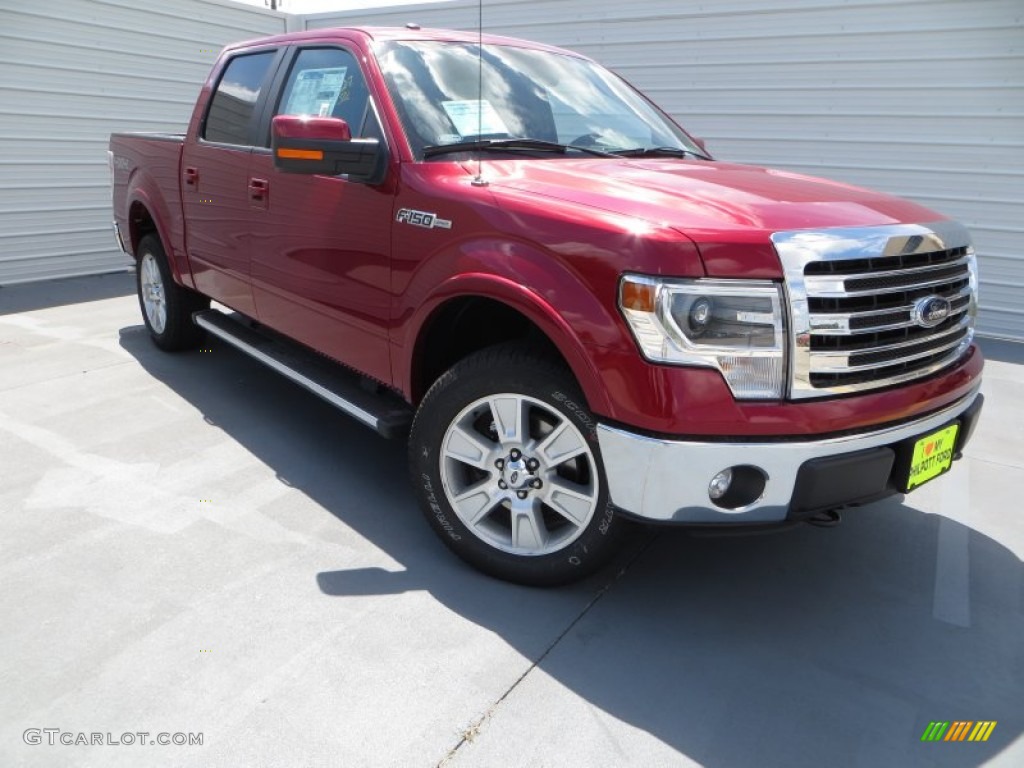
[230, 115]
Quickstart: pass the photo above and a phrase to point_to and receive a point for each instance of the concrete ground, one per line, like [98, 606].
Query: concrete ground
[191, 544]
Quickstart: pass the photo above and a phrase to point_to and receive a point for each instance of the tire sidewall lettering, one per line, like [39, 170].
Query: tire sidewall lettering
[436, 509]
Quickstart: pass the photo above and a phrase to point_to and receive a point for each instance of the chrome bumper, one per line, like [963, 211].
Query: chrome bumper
[667, 480]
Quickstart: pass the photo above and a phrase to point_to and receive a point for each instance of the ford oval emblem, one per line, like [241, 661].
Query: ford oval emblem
[931, 310]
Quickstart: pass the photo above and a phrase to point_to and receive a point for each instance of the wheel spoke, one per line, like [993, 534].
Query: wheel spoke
[528, 530]
[152, 290]
[467, 446]
[572, 503]
[510, 419]
[561, 445]
[474, 503]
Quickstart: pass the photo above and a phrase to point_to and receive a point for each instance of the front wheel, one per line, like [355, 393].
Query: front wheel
[506, 463]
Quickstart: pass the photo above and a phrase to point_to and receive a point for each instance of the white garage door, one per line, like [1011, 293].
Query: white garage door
[72, 72]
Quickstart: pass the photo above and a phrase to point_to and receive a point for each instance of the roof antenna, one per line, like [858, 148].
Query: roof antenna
[479, 181]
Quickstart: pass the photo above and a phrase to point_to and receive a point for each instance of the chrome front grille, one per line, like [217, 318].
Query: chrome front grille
[876, 306]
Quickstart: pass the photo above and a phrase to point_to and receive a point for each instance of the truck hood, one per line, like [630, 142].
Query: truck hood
[712, 203]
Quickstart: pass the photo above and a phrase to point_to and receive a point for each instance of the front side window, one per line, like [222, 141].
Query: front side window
[523, 93]
[327, 82]
[231, 109]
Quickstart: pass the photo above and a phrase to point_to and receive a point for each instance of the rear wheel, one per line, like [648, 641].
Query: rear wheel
[507, 466]
[166, 306]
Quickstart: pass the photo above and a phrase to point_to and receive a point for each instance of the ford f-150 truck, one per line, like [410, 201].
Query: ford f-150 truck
[509, 255]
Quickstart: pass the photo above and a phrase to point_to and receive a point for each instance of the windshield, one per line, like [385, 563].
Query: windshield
[526, 94]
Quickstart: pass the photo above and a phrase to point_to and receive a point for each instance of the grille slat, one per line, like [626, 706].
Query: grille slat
[857, 299]
[888, 281]
[873, 320]
[867, 357]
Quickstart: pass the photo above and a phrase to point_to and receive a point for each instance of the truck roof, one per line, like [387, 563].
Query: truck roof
[397, 33]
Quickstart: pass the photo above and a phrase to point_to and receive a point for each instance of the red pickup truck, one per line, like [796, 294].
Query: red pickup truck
[508, 254]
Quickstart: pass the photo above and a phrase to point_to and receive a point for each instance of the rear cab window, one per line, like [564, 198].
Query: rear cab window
[230, 117]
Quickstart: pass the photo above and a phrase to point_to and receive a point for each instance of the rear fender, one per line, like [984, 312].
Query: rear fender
[143, 190]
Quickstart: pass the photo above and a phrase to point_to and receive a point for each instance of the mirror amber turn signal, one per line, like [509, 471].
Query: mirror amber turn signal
[324, 145]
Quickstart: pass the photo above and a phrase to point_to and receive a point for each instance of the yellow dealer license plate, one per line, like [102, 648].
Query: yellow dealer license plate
[933, 455]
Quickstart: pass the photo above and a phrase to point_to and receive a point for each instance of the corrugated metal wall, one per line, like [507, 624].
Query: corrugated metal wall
[921, 98]
[72, 72]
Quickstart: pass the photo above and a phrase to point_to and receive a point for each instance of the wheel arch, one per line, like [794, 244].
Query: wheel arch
[140, 224]
[149, 214]
[487, 310]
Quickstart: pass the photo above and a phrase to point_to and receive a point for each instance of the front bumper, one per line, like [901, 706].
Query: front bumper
[667, 480]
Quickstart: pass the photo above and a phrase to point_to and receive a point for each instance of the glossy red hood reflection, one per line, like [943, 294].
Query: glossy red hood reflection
[707, 201]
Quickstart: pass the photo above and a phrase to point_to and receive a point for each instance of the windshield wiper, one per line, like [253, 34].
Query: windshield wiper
[538, 145]
[659, 152]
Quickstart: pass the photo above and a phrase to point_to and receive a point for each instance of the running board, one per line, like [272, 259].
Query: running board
[344, 389]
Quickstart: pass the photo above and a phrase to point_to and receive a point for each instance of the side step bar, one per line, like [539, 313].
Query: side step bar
[342, 388]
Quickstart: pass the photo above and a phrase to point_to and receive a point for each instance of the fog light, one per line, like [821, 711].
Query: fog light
[719, 484]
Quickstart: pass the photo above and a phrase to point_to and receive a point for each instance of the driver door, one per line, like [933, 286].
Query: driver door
[321, 244]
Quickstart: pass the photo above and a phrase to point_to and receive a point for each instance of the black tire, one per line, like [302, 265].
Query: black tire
[166, 306]
[533, 540]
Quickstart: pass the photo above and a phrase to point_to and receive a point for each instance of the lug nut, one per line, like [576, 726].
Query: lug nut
[532, 464]
[500, 463]
[514, 454]
[536, 482]
[522, 494]
[502, 485]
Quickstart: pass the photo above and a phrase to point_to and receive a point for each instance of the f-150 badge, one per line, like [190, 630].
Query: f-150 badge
[422, 219]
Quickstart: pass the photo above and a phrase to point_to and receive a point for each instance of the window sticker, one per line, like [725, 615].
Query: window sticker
[470, 119]
[316, 91]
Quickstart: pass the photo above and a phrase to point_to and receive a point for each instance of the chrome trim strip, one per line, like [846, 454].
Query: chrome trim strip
[841, 293]
[365, 417]
[798, 248]
[838, 323]
[839, 361]
[902, 378]
[827, 362]
[823, 284]
[118, 238]
[667, 480]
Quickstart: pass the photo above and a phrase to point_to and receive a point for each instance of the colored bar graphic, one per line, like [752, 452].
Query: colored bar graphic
[934, 731]
[958, 730]
[983, 730]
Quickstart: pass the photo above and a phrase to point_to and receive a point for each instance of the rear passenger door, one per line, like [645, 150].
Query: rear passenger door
[321, 244]
[214, 180]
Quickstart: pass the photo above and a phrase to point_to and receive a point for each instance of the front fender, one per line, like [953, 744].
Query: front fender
[544, 291]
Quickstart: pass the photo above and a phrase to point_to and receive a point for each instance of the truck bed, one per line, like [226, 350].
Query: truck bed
[152, 162]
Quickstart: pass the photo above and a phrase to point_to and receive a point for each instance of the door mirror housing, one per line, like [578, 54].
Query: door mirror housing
[324, 145]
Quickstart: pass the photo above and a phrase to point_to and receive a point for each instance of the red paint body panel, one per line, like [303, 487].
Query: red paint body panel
[323, 260]
[146, 175]
[217, 213]
[696, 401]
[320, 260]
[728, 210]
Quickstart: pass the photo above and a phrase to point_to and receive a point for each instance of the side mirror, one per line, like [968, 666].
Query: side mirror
[324, 145]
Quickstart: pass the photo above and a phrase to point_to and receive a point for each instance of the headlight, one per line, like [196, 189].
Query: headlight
[735, 326]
